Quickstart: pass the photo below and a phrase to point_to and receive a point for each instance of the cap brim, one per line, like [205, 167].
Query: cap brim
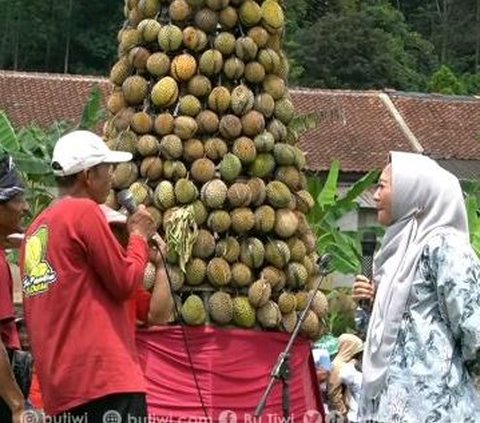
[118, 157]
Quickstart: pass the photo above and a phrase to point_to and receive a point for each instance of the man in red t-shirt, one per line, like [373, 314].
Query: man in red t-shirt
[77, 281]
[12, 209]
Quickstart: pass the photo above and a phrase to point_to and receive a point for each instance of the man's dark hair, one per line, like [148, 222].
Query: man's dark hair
[66, 181]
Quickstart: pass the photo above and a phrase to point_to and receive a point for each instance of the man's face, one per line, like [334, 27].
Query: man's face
[383, 197]
[11, 214]
[99, 182]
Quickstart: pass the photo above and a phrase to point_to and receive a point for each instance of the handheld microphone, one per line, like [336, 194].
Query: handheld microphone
[369, 242]
[126, 200]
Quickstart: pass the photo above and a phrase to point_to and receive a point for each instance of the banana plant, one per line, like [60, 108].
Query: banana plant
[31, 148]
[344, 246]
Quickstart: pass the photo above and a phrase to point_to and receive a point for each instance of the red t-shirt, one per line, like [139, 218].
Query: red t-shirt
[9, 331]
[77, 282]
[139, 306]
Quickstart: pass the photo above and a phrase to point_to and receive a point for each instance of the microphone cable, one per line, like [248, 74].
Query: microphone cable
[126, 200]
[184, 335]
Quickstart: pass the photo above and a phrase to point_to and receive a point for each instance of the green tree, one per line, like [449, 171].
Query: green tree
[444, 81]
[471, 83]
[53, 36]
[453, 26]
[368, 47]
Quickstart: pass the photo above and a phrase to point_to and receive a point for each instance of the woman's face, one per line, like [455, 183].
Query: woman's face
[383, 197]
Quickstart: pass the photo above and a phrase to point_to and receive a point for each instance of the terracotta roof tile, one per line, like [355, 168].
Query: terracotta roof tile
[355, 128]
[448, 127]
[45, 98]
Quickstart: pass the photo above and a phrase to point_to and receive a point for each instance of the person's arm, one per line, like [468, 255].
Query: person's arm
[456, 270]
[161, 301]
[121, 271]
[9, 390]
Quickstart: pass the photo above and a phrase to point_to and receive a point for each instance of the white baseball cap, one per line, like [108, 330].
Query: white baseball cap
[81, 150]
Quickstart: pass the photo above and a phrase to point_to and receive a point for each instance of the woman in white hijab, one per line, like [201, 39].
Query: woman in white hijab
[423, 339]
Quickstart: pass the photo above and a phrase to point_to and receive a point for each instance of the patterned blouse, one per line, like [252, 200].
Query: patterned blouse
[437, 354]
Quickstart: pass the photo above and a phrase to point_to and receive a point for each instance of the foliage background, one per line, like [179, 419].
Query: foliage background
[407, 45]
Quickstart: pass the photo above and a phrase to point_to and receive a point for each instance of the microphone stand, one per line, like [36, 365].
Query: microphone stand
[282, 371]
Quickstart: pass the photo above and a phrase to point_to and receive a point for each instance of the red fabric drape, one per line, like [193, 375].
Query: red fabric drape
[233, 368]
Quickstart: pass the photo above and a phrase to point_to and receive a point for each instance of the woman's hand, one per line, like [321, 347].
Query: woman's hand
[363, 289]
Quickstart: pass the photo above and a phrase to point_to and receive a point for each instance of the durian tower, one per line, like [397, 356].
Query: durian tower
[200, 98]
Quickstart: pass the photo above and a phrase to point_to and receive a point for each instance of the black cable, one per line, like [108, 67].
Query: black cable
[185, 337]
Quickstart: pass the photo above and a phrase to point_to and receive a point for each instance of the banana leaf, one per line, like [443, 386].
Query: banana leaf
[93, 113]
[8, 138]
[31, 165]
[328, 194]
[348, 202]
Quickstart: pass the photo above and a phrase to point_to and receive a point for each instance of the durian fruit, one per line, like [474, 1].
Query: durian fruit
[163, 124]
[124, 175]
[277, 253]
[259, 293]
[193, 311]
[202, 170]
[264, 219]
[193, 150]
[141, 192]
[214, 193]
[151, 168]
[319, 304]
[158, 64]
[204, 245]
[164, 92]
[252, 252]
[243, 313]
[289, 321]
[243, 220]
[242, 275]
[200, 98]
[269, 316]
[176, 277]
[220, 307]
[134, 89]
[219, 221]
[287, 302]
[183, 67]
[311, 325]
[239, 195]
[218, 272]
[196, 270]
[185, 191]
[228, 248]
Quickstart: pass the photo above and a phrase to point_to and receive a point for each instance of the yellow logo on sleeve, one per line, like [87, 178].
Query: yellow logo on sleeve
[39, 275]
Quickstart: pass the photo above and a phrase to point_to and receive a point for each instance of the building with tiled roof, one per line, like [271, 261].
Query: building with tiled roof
[358, 128]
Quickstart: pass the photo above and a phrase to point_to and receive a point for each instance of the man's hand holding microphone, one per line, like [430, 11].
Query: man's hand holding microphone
[141, 223]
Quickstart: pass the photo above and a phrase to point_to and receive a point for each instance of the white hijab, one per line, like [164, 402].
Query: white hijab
[426, 200]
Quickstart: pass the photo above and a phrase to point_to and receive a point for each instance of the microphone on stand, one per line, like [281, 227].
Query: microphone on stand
[368, 243]
[323, 263]
[126, 200]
